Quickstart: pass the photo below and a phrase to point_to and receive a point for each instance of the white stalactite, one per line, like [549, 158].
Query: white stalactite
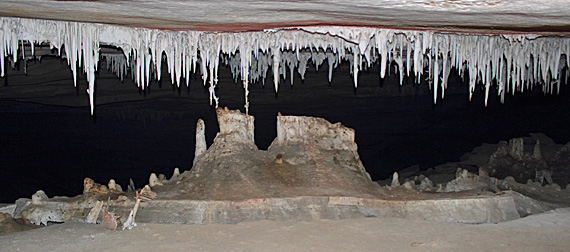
[513, 62]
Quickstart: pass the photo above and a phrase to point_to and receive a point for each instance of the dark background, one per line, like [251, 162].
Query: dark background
[49, 140]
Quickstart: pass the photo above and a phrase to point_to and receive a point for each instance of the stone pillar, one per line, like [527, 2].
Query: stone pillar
[517, 148]
[200, 139]
[236, 126]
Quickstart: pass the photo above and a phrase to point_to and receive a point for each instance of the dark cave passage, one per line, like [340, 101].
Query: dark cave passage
[50, 141]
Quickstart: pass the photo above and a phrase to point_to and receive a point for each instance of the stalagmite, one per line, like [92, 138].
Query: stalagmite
[537, 153]
[175, 174]
[114, 187]
[153, 180]
[395, 179]
[200, 139]
[512, 62]
[131, 187]
[517, 148]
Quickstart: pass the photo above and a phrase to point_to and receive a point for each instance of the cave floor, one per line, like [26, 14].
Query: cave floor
[542, 232]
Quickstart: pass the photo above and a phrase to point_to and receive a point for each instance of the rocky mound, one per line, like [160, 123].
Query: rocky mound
[309, 157]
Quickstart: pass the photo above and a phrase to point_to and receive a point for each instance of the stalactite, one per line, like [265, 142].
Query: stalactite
[513, 62]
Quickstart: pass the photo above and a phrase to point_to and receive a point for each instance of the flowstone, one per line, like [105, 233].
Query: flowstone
[311, 171]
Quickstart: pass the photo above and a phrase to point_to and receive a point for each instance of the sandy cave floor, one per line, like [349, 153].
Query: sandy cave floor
[543, 232]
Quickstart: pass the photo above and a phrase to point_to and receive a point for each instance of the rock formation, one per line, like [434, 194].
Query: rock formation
[200, 146]
[153, 180]
[513, 159]
[92, 188]
[559, 164]
[312, 170]
[466, 181]
[309, 156]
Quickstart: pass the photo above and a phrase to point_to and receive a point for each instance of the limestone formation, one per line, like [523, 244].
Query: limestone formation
[175, 174]
[200, 139]
[426, 185]
[92, 188]
[39, 197]
[395, 180]
[542, 176]
[516, 148]
[236, 126]
[131, 187]
[410, 185]
[312, 170]
[114, 187]
[466, 181]
[308, 156]
[537, 153]
[146, 193]
[512, 159]
[559, 165]
[153, 180]
[88, 185]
